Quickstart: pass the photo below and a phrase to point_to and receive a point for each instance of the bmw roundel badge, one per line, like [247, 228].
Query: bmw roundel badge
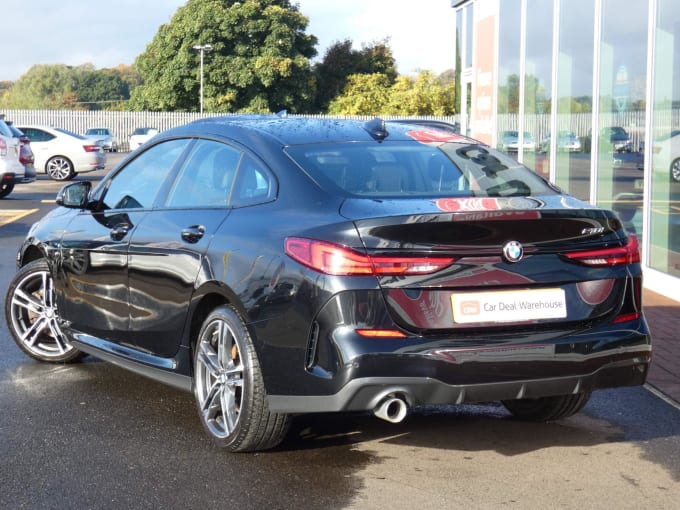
[513, 251]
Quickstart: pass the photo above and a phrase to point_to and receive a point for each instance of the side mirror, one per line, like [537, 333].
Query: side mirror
[74, 195]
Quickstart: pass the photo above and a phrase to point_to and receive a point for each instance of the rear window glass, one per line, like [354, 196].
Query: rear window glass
[416, 169]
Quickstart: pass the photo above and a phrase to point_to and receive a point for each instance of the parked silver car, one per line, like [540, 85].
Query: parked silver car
[103, 136]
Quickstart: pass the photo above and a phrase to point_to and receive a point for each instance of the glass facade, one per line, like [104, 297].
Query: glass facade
[574, 101]
[509, 48]
[664, 205]
[537, 82]
[587, 92]
[622, 92]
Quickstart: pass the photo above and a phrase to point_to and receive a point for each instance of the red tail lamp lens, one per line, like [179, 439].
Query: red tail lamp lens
[628, 254]
[334, 259]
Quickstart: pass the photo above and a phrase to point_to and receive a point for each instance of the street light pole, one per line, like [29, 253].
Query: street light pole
[202, 48]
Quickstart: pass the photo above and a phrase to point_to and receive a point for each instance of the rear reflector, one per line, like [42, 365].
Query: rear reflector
[628, 254]
[380, 333]
[334, 259]
[626, 317]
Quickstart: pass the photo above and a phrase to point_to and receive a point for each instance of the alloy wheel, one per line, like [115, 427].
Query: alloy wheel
[675, 170]
[33, 317]
[219, 379]
[60, 168]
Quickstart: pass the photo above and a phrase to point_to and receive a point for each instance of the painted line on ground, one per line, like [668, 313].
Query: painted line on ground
[9, 216]
[662, 396]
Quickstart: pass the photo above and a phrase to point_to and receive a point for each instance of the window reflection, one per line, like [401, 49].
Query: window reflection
[508, 68]
[574, 98]
[623, 81]
[664, 253]
[537, 81]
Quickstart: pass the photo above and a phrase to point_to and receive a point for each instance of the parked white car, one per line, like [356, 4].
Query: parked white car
[63, 154]
[667, 153]
[11, 169]
[141, 136]
[105, 138]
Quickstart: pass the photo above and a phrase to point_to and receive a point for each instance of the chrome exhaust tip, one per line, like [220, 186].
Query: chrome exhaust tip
[391, 409]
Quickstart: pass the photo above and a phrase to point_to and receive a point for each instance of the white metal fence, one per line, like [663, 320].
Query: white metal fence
[121, 123]
[124, 123]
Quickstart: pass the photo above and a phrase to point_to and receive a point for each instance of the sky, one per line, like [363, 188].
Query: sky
[76, 32]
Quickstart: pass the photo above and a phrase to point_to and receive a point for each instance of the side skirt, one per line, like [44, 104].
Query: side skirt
[154, 367]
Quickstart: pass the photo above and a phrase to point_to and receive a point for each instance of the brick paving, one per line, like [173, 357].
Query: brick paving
[663, 317]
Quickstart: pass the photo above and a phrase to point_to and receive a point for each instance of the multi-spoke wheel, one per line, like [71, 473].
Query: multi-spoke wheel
[229, 389]
[675, 170]
[60, 168]
[33, 318]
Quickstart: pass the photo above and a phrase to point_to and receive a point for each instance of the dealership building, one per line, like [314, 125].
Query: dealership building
[586, 92]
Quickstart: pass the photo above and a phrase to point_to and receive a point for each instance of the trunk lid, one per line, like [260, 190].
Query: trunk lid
[518, 260]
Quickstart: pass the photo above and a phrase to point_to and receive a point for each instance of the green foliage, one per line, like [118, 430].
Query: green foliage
[374, 94]
[56, 87]
[365, 94]
[341, 61]
[259, 61]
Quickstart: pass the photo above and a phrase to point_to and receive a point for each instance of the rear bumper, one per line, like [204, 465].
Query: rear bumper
[364, 394]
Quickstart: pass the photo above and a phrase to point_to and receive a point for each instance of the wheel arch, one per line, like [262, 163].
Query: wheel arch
[208, 297]
[31, 253]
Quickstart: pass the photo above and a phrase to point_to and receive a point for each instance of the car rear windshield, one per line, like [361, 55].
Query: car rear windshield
[414, 169]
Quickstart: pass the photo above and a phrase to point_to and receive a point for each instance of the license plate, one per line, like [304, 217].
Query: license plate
[509, 306]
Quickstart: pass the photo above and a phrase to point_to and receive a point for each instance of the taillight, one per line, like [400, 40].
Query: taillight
[91, 148]
[627, 254]
[334, 259]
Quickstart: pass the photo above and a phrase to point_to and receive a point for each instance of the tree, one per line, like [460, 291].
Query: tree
[5, 86]
[426, 94]
[41, 87]
[259, 60]
[341, 61]
[373, 94]
[99, 89]
[365, 94]
[58, 86]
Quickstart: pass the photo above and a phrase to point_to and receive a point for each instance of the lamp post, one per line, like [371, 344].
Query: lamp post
[202, 48]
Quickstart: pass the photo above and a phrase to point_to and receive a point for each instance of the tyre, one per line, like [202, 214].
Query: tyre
[59, 168]
[6, 188]
[33, 318]
[229, 389]
[675, 170]
[547, 408]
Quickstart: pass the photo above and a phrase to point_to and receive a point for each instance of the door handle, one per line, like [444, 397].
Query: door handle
[119, 231]
[193, 234]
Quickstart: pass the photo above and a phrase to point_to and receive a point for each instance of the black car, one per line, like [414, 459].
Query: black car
[277, 266]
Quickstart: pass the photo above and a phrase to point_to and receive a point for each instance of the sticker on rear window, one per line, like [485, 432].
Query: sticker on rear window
[437, 136]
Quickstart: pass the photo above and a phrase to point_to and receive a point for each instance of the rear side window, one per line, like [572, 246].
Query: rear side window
[37, 135]
[254, 184]
[206, 177]
[415, 169]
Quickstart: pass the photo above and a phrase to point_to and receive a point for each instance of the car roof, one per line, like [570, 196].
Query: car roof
[304, 130]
